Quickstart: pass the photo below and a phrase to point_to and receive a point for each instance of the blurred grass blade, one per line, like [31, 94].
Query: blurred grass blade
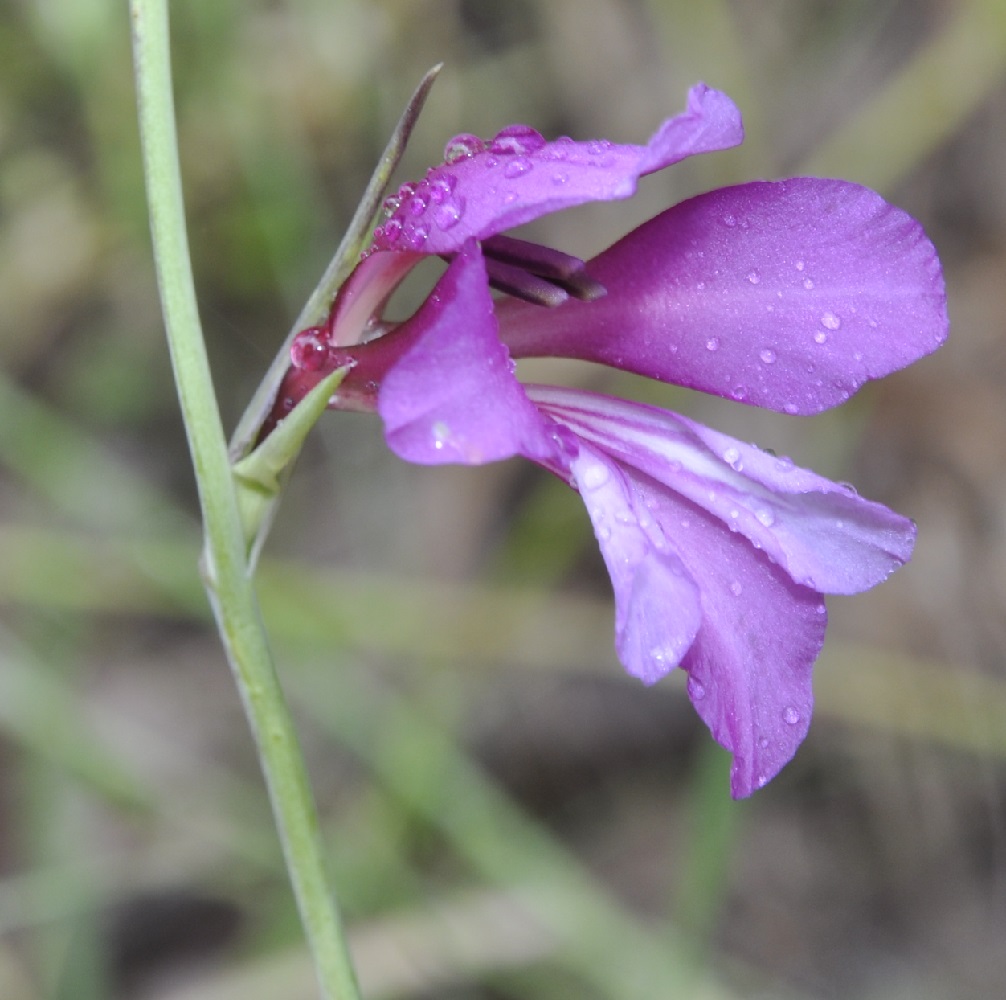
[923, 105]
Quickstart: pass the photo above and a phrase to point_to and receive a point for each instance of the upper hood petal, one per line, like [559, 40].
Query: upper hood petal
[519, 176]
[785, 294]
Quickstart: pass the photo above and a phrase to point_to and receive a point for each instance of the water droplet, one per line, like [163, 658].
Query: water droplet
[463, 146]
[765, 517]
[517, 139]
[799, 265]
[309, 350]
[820, 337]
[713, 344]
[441, 432]
[663, 657]
[415, 206]
[736, 589]
[763, 743]
[391, 232]
[830, 321]
[595, 477]
[732, 457]
[448, 215]
[767, 356]
[808, 284]
[559, 178]
[517, 168]
[790, 716]
[822, 609]
[441, 188]
[696, 690]
[729, 220]
[391, 204]
[414, 236]
[753, 277]
[791, 408]
[603, 532]
[734, 513]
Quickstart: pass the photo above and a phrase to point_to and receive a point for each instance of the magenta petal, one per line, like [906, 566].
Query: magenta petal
[452, 396]
[682, 581]
[520, 177]
[821, 533]
[657, 610]
[787, 294]
[751, 663]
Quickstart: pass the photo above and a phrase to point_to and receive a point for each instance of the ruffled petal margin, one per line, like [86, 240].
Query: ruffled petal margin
[506, 184]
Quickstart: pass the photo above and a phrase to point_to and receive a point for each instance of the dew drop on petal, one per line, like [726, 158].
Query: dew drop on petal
[414, 236]
[713, 344]
[309, 349]
[767, 356]
[462, 146]
[763, 743]
[441, 432]
[696, 690]
[517, 168]
[517, 139]
[595, 477]
[790, 716]
[729, 220]
[791, 408]
[753, 277]
[784, 463]
[391, 232]
[732, 457]
[559, 178]
[830, 321]
[448, 215]
[820, 337]
[799, 265]
[765, 517]
[603, 532]
[808, 284]
[736, 589]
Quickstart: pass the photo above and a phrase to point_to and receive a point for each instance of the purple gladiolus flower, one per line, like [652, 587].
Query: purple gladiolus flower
[787, 295]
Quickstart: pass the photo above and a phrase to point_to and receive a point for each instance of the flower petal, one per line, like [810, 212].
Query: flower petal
[786, 294]
[751, 663]
[821, 533]
[683, 581]
[519, 176]
[452, 396]
[657, 610]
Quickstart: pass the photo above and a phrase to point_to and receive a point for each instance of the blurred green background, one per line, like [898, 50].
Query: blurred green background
[508, 815]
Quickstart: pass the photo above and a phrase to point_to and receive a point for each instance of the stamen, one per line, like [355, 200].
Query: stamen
[559, 269]
[522, 284]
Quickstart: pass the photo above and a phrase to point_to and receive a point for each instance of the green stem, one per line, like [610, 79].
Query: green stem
[225, 564]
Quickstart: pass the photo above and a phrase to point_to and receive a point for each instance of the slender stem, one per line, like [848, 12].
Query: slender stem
[225, 566]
